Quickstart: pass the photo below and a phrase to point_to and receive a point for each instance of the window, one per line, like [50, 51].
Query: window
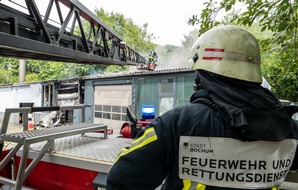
[110, 112]
[166, 86]
[166, 101]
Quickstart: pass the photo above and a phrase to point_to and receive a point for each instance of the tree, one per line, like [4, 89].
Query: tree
[280, 18]
[9, 70]
[135, 36]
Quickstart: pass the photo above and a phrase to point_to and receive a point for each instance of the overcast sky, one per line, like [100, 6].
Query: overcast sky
[167, 19]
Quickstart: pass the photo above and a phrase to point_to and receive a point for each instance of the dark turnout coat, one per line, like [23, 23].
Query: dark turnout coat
[248, 113]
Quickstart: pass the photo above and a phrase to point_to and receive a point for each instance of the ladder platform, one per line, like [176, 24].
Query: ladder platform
[53, 133]
[26, 138]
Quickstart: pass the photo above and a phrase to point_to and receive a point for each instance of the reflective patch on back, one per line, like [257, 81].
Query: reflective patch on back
[227, 162]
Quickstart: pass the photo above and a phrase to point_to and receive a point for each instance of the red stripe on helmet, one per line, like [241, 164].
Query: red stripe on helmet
[215, 49]
[213, 54]
[212, 58]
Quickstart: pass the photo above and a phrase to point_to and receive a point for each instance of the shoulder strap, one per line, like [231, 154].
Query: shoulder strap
[205, 101]
[224, 118]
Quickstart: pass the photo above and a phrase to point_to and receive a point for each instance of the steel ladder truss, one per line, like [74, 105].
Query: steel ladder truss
[28, 34]
[26, 138]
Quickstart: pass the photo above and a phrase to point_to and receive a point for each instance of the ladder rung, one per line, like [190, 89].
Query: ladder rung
[11, 183]
[7, 181]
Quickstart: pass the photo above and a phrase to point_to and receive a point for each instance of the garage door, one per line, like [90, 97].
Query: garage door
[110, 103]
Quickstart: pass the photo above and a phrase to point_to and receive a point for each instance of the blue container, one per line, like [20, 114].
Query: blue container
[148, 112]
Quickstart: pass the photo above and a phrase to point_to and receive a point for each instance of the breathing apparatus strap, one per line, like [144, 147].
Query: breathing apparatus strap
[223, 117]
[205, 101]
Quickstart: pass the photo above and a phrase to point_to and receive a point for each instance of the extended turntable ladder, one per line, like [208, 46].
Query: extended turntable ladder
[26, 33]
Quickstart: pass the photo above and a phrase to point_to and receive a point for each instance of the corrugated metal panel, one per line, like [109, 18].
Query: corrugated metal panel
[148, 93]
[184, 89]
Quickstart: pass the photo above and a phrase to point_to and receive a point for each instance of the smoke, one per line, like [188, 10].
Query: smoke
[169, 57]
[172, 57]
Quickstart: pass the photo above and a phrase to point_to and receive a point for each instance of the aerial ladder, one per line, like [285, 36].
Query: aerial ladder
[27, 34]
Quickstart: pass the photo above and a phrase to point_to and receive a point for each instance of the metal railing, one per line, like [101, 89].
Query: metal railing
[26, 138]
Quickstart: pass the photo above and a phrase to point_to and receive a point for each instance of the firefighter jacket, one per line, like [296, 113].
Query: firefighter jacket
[154, 157]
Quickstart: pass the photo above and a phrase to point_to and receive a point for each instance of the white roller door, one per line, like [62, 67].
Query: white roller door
[110, 102]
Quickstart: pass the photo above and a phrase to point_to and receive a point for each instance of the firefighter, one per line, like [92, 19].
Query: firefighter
[234, 134]
[153, 56]
[152, 59]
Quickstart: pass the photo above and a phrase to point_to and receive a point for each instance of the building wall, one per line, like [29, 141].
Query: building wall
[6, 99]
[184, 86]
[89, 101]
[149, 91]
[146, 90]
[11, 97]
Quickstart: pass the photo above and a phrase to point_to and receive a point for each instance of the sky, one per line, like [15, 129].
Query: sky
[167, 19]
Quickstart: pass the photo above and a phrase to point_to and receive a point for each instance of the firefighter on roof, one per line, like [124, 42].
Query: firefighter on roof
[234, 134]
[152, 59]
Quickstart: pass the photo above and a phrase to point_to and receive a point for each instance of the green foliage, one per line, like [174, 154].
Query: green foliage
[277, 35]
[32, 77]
[115, 69]
[135, 36]
[58, 70]
[8, 70]
[3, 76]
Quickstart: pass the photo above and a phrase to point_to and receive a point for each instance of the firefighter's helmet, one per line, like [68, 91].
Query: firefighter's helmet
[229, 51]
